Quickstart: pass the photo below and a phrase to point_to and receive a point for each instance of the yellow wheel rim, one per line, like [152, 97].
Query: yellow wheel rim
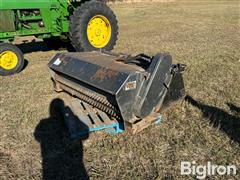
[99, 31]
[8, 60]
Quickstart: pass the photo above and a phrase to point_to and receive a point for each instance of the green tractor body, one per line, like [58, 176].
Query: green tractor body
[43, 18]
[89, 25]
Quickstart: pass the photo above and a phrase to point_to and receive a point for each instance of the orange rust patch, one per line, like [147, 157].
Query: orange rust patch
[102, 73]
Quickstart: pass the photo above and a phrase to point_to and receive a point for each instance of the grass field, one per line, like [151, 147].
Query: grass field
[203, 35]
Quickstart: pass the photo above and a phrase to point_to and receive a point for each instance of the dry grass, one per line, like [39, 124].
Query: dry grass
[203, 35]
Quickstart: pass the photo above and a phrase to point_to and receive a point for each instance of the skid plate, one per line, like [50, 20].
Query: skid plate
[82, 119]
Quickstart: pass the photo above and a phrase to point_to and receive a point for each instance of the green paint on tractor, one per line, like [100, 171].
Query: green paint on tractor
[89, 25]
[43, 18]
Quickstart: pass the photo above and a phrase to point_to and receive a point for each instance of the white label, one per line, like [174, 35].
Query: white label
[131, 85]
[57, 62]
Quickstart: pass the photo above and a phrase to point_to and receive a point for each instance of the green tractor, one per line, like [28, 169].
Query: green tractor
[88, 25]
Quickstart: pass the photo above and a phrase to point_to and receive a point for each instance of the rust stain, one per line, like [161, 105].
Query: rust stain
[102, 73]
[81, 70]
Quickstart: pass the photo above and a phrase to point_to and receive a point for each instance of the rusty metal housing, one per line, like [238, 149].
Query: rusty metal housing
[127, 89]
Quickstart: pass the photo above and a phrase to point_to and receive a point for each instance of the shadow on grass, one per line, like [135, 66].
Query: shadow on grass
[228, 123]
[234, 109]
[61, 157]
[40, 46]
[33, 46]
[25, 65]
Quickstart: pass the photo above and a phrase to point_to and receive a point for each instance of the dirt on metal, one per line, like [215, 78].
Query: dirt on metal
[104, 73]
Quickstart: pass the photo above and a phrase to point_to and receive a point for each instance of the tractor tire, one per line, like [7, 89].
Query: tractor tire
[11, 59]
[93, 26]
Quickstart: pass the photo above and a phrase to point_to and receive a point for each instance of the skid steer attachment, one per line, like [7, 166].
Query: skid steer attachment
[115, 90]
